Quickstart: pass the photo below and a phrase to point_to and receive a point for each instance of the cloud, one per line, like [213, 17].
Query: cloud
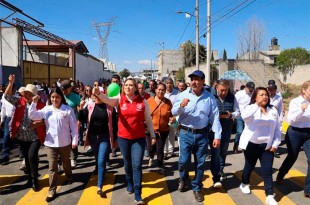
[127, 62]
[144, 62]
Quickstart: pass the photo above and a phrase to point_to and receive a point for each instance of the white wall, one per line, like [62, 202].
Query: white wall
[88, 69]
[300, 75]
[10, 47]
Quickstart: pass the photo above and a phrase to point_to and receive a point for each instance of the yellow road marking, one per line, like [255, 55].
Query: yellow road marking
[155, 190]
[297, 177]
[90, 196]
[284, 127]
[257, 188]
[7, 180]
[32, 197]
[212, 195]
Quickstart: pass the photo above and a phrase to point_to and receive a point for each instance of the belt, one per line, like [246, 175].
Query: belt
[188, 129]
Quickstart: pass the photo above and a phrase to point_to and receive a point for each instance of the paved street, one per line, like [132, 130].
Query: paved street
[157, 189]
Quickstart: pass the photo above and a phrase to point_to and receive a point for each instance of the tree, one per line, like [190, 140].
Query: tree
[224, 55]
[251, 39]
[180, 75]
[290, 58]
[212, 57]
[124, 73]
[189, 50]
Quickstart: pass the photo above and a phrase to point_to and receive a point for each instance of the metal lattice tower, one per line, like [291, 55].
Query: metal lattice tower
[103, 30]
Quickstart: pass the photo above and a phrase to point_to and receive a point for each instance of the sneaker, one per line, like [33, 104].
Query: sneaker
[245, 188]
[277, 155]
[270, 200]
[73, 163]
[217, 185]
[150, 162]
[23, 166]
[223, 175]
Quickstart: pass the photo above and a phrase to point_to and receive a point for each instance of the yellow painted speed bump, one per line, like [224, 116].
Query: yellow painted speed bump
[32, 197]
[155, 190]
[7, 180]
[213, 196]
[296, 177]
[90, 196]
[258, 190]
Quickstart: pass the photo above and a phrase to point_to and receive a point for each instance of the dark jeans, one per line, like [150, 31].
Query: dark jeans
[198, 145]
[240, 127]
[100, 147]
[215, 159]
[81, 132]
[30, 151]
[296, 138]
[252, 153]
[6, 139]
[132, 151]
[159, 148]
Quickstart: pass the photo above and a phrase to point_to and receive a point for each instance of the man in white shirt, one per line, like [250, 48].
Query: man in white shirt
[243, 98]
[172, 95]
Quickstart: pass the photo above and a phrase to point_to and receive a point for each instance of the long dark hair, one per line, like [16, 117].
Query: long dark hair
[253, 98]
[59, 92]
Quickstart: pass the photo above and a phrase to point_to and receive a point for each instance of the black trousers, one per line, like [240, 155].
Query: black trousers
[159, 147]
[30, 150]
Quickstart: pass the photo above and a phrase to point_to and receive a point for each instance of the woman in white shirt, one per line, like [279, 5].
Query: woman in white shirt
[298, 134]
[259, 140]
[61, 135]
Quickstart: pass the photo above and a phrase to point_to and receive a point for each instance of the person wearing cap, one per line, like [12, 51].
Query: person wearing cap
[41, 93]
[197, 109]
[133, 114]
[25, 130]
[298, 135]
[73, 100]
[243, 98]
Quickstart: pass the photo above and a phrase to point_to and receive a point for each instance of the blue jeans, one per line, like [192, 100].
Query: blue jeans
[198, 145]
[132, 151]
[239, 130]
[252, 153]
[296, 138]
[6, 139]
[100, 147]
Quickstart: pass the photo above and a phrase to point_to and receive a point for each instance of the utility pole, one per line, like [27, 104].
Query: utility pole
[103, 49]
[162, 45]
[197, 33]
[208, 42]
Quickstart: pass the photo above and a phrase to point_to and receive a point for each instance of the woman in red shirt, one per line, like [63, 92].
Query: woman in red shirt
[133, 114]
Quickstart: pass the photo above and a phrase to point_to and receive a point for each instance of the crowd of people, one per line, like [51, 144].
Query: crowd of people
[146, 121]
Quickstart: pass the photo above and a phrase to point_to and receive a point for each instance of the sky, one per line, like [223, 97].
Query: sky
[143, 27]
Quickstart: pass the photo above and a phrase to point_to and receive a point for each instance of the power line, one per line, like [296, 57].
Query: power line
[183, 33]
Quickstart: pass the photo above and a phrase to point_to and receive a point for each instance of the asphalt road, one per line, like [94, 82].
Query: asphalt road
[157, 189]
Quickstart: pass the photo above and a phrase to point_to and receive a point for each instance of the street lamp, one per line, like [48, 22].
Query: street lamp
[197, 29]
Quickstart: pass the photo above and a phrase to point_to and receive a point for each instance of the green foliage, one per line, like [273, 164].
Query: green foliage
[180, 75]
[290, 58]
[212, 57]
[124, 73]
[189, 51]
[224, 55]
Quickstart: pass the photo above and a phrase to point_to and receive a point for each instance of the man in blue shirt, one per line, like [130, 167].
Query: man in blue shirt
[197, 109]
